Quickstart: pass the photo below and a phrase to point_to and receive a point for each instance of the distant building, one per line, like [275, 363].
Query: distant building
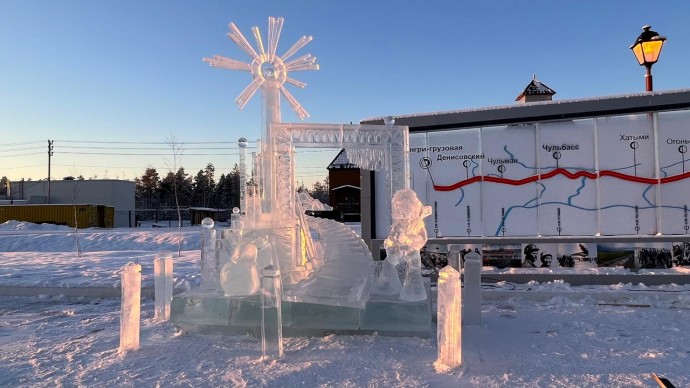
[535, 92]
[344, 187]
[109, 192]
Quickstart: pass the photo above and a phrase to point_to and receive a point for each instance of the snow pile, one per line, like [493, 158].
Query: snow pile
[22, 225]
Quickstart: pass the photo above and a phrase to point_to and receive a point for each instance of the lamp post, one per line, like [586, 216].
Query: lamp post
[647, 48]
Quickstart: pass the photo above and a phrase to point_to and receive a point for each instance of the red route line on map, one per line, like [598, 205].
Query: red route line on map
[567, 174]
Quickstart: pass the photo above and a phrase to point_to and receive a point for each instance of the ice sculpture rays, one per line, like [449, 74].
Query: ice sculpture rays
[268, 70]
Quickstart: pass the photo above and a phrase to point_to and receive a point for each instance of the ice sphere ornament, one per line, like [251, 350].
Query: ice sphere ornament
[407, 236]
[207, 223]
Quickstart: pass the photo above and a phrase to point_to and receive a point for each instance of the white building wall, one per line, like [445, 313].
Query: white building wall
[116, 193]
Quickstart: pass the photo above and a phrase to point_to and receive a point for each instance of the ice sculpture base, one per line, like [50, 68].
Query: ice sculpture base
[212, 312]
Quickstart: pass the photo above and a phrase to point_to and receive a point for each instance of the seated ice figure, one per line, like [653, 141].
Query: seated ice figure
[407, 236]
[239, 276]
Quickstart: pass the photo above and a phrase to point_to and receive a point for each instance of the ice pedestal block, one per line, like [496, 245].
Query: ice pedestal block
[309, 316]
[201, 309]
[213, 312]
[449, 320]
[388, 315]
[130, 314]
[163, 285]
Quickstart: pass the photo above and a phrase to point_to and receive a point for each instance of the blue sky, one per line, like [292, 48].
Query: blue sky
[127, 71]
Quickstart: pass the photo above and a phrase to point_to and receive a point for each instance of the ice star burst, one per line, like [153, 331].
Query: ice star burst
[268, 70]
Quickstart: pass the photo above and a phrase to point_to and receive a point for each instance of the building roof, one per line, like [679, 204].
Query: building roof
[341, 161]
[543, 111]
[345, 187]
[536, 88]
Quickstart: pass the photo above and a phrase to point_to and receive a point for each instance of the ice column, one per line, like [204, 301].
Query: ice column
[449, 318]
[236, 219]
[209, 260]
[130, 306]
[473, 289]
[163, 285]
[271, 314]
[242, 144]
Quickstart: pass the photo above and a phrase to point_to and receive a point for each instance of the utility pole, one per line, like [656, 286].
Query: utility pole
[50, 154]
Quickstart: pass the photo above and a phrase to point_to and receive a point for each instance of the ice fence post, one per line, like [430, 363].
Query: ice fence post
[130, 306]
[162, 281]
[454, 256]
[271, 313]
[472, 313]
[449, 318]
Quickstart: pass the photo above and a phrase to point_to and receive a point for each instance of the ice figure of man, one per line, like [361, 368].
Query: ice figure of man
[407, 236]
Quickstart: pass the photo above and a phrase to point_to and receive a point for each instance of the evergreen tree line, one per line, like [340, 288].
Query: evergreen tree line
[201, 190]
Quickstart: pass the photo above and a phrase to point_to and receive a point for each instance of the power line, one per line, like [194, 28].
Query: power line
[18, 167]
[148, 142]
[142, 148]
[23, 149]
[15, 155]
[138, 154]
[21, 143]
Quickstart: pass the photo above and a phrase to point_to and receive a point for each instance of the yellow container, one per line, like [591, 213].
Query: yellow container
[84, 215]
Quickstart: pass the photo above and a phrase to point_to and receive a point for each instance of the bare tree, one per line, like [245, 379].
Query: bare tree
[176, 149]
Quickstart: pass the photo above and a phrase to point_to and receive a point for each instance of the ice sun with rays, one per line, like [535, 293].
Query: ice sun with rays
[267, 68]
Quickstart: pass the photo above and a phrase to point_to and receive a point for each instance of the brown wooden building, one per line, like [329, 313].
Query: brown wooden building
[344, 187]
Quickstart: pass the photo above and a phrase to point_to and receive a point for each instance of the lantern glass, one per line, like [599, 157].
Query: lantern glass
[651, 50]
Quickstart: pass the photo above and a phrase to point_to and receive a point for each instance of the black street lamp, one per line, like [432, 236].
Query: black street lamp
[647, 48]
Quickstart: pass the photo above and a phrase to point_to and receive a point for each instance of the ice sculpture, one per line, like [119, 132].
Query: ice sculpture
[325, 267]
[472, 314]
[407, 236]
[271, 313]
[449, 320]
[130, 306]
[163, 285]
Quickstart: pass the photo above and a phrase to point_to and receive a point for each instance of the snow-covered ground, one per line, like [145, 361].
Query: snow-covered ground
[548, 334]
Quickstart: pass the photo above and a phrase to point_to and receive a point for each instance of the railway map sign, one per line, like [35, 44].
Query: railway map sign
[618, 175]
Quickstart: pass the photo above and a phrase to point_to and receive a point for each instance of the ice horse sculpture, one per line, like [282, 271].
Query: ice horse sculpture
[321, 262]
